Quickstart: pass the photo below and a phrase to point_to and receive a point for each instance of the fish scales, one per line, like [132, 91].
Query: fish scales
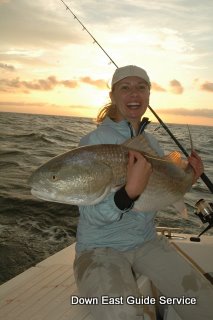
[166, 186]
[114, 156]
[86, 175]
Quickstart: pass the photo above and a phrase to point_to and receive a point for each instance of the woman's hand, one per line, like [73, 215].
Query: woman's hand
[197, 165]
[138, 173]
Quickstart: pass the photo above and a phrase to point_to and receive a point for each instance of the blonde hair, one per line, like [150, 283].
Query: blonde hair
[109, 110]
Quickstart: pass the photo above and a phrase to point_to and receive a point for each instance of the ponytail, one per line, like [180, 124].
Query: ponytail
[109, 110]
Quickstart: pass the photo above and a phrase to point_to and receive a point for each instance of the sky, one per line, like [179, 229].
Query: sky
[50, 65]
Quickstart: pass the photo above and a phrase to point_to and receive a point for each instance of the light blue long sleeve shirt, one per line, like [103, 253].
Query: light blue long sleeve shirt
[104, 224]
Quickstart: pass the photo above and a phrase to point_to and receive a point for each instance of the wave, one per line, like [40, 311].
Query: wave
[8, 164]
[11, 153]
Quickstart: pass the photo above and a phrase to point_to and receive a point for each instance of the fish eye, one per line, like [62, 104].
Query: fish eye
[54, 177]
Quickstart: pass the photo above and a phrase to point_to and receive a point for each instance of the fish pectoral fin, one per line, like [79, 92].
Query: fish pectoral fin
[181, 208]
[116, 188]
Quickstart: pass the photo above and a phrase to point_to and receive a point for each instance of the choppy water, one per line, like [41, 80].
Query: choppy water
[31, 229]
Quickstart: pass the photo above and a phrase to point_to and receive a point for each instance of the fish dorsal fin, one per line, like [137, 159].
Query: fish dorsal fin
[140, 143]
[190, 138]
[175, 157]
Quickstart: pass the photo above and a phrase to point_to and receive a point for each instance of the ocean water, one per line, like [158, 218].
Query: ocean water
[32, 229]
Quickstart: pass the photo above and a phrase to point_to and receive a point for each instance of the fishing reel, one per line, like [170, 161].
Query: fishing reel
[204, 210]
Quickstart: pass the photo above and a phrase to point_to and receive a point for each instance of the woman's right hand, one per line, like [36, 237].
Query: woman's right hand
[139, 171]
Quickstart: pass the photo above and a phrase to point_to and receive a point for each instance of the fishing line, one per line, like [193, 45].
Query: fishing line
[204, 177]
[84, 28]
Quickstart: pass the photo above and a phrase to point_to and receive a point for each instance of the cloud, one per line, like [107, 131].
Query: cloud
[7, 67]
[69, 83]
[17, 85]
[25, 58]
[176, 87]
[36, 24]
[203, 85]
[157, 87]
[48, 25]
[207, 86]
[208, 113]
[100, 83]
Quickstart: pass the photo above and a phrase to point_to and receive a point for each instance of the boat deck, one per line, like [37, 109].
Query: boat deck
[43, 291]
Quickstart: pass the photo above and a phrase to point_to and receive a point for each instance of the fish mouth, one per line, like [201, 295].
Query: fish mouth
[38, 194]
[48, 195]
[43, 195]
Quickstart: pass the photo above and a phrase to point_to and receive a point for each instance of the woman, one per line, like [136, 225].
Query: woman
[113, 241]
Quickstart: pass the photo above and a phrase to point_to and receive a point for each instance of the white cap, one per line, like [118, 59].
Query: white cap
[129, 71]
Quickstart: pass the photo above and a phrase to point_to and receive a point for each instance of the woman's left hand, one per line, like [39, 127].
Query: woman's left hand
[197, 165]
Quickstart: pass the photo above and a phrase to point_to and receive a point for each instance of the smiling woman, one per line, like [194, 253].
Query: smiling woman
[115, 238]
[130, 90]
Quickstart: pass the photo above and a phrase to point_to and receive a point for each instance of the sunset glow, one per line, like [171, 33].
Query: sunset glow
[49, 65]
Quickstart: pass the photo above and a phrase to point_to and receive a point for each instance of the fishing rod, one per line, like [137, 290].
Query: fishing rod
[204, 177]
[84, 28]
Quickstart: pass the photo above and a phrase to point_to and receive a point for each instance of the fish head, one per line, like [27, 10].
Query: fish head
[71, 178]
[49, 181]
